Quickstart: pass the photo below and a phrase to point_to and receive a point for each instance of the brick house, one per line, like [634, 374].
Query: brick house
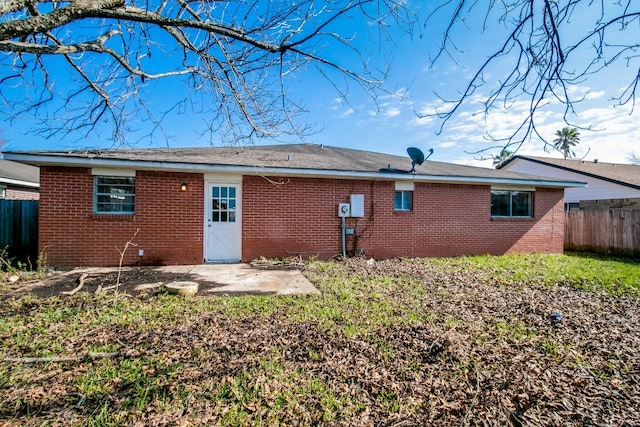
[18, 181]
[188, 206]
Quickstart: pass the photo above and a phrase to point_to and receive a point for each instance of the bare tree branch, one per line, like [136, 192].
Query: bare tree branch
[233, 59]
[538, 58]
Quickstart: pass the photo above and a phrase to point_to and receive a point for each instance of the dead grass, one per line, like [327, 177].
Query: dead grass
[465, 341]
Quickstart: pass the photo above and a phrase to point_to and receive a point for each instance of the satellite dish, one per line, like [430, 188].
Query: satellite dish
[417, 157]
[430, 153]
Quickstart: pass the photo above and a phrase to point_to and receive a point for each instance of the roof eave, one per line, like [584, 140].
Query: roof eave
[573, 170]
[19, 182]
[43, 160]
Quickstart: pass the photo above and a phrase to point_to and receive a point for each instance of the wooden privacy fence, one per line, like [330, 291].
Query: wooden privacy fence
[19, 227]
[615, 231]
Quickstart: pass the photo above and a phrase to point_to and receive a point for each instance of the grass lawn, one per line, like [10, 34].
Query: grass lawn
[456, 341]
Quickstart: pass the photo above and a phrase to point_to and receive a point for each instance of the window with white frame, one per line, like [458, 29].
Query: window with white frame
[403, 196]
[403, 200]
[511, 203]
[114, 194]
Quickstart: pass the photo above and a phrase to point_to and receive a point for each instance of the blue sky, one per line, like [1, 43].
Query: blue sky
[391, 125]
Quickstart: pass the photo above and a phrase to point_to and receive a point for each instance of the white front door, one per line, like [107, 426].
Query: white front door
[223, 225]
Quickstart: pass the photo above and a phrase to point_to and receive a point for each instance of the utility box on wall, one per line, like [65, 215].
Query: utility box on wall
[357, 205]
[344, 210]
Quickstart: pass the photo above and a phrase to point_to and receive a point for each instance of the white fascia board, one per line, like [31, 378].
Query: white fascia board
[19, 182]
[293, 172]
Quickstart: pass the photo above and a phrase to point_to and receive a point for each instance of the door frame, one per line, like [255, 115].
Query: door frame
[222, 179]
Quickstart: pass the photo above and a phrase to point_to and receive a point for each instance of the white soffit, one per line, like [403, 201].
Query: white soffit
[223, 178]
[512, 187]
[404, 186]
[113, 172]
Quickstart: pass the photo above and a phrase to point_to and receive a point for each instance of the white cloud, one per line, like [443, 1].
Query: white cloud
[348, 112]
[431, 107]
[448, 144]
[404, 119]
[613, 136]
[469, 161]
[595, 95]
[391, 112]
[417, 121]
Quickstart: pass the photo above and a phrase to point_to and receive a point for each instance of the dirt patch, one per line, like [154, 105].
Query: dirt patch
[132, 281]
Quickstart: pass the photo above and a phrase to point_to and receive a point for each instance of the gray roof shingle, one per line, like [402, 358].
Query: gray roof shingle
[287, 157]
[614, 172]
[19, 172]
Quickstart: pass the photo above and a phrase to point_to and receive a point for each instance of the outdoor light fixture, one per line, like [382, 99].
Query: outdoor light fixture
[183, 187]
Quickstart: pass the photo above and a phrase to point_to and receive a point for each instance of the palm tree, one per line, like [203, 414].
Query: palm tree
[502, 157]
[566, 139]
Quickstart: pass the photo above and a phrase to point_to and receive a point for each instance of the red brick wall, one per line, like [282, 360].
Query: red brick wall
[21, 194]
[300, 217]
[169, 221]
[296, 217]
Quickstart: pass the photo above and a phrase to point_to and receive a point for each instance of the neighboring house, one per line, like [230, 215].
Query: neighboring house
[610, 184]
[18, 181]
[190, 205]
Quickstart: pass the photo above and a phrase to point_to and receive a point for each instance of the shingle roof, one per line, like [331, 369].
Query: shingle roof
[298, 157]
[18, 172]
[623, 174]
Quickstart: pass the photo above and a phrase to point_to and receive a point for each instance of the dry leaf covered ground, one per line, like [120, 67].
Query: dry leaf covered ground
[470, 341]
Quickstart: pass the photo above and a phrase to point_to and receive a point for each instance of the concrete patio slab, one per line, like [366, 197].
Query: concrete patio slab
[212, 279]
[234, 279]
